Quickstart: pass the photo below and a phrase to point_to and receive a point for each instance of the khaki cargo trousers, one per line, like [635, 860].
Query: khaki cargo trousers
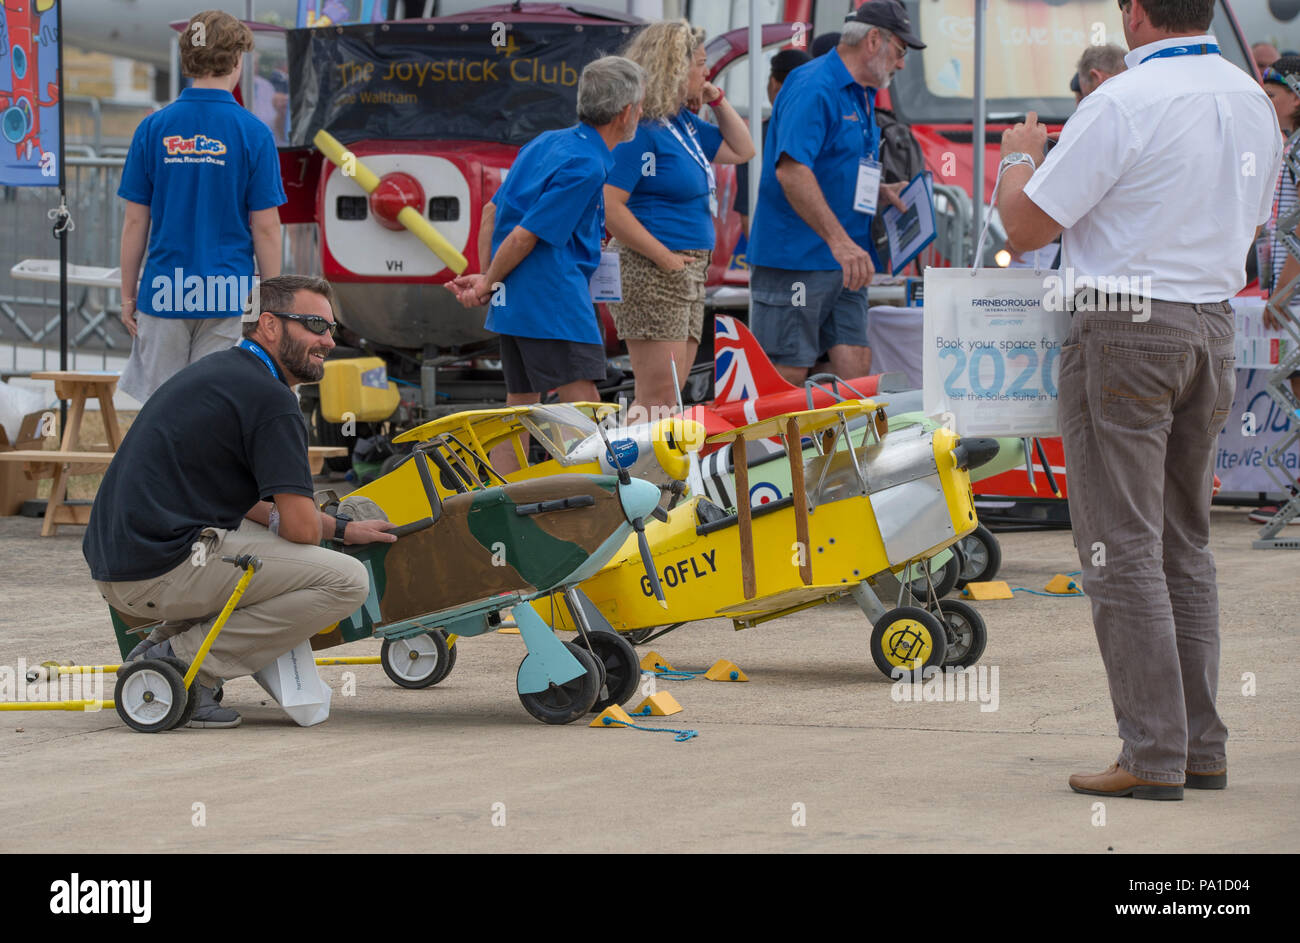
[300, 590]
[1142, 402]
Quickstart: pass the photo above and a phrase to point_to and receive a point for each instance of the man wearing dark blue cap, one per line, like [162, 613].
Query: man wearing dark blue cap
[810, 247]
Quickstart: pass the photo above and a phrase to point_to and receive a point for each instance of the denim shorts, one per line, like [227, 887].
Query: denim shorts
[799, 315]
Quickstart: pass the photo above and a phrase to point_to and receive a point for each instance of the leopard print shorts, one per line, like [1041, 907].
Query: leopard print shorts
[659, 305]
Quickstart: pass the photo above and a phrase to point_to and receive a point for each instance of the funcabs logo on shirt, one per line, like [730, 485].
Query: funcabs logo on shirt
[198, 149]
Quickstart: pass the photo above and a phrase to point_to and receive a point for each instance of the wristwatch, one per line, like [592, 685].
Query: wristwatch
[340, 526]
[1019, 157]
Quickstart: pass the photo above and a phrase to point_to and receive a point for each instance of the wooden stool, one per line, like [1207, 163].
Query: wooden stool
[316, 455]
[66, 461]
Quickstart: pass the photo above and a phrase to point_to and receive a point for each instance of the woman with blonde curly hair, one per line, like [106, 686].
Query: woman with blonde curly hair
[660, 201]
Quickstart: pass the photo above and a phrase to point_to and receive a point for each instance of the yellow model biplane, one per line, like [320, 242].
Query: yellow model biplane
[862, 512]
[857, 519]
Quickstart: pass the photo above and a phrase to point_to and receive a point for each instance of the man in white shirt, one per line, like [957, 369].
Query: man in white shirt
[1159, 182]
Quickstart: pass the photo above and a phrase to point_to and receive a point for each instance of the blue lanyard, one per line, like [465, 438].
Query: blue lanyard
[868, 131]
[1200, 49]
[695, 150]
[254, 348]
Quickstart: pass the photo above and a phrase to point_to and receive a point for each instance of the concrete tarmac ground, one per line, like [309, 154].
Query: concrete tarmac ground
[814, 737]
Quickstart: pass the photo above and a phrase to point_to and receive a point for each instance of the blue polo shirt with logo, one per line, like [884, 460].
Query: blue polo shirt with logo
[826, 121]
[555, 190]
[668, 186]
[201, 165]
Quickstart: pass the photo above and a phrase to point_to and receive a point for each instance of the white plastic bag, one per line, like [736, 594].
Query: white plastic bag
[293, 681]
[992, 349]
[15, 403]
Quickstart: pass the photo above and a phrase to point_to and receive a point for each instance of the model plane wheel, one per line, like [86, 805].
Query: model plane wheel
[445, 669]
[967, 633]
[565, 703]
[907, 638]
[622, 668]
[150, 695]
[944, 580]
[418, 661]
[983, 556]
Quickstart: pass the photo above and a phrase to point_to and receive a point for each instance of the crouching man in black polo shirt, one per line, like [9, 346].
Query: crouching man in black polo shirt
[216, 464]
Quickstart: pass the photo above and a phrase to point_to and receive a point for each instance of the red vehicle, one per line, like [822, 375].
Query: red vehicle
[438, 109]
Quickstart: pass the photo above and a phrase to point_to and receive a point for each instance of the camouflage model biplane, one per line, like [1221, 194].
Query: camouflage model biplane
[463, 557]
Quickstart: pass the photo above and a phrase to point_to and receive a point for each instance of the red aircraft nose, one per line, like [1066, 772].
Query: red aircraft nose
[395, 191]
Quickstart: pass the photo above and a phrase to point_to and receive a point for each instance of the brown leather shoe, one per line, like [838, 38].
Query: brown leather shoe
[1117, 782]
[1214, 780]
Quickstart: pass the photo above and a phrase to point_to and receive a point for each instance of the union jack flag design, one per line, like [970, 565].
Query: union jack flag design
[741, 371]
[732, 378]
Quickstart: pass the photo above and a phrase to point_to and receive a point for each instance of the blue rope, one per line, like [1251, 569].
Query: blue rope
[1038, 592]
[681, 735]
[674, 675]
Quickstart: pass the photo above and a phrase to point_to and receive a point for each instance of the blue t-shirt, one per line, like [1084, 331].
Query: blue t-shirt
[826, 121]
[201, 165]
[669, 185]
[555, 190]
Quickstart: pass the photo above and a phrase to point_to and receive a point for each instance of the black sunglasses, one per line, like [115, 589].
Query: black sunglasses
[312, 322]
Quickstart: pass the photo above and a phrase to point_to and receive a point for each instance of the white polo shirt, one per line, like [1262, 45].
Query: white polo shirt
[1164, 172]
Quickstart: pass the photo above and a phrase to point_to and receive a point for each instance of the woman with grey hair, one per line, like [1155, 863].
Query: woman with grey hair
[662, 198]
[547, 221]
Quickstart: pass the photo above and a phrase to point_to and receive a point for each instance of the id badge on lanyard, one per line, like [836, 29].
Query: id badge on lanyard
[868, 189]
[607, 281]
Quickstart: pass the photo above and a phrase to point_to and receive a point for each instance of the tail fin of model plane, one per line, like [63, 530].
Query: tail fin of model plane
[741, 370]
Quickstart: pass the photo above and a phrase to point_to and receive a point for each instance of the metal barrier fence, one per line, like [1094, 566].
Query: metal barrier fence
[104, 125]
[29, 311]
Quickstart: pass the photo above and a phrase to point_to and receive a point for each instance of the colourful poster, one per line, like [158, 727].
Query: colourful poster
[29, 93]
[339, 12]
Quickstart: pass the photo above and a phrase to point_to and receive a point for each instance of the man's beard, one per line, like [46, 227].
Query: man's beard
[296, 359]
[882, 68]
